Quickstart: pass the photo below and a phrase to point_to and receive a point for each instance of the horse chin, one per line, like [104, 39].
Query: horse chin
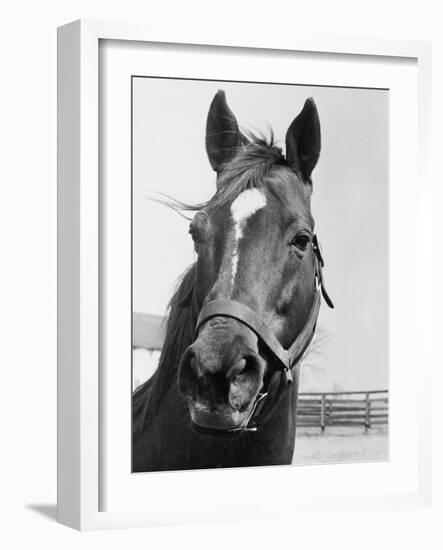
[221, 423]
[217, 434]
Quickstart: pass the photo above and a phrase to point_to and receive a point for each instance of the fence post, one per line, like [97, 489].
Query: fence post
[322, 412]
[368, 413]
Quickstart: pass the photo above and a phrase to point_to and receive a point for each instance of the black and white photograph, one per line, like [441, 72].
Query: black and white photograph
[260, 274]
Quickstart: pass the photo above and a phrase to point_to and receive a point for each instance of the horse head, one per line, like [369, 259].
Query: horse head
[256, 270]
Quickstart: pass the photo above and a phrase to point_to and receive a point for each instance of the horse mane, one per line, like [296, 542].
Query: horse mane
[179, 335]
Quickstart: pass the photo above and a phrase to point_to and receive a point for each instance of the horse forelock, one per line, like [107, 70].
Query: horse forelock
[255, 159]
[248, 169]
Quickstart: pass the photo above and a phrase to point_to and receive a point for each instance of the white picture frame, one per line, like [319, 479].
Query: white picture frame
[79, 269]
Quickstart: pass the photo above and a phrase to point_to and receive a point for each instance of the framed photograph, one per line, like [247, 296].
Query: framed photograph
[234, 219]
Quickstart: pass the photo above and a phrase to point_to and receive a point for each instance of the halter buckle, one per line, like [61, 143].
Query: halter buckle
[288, 376]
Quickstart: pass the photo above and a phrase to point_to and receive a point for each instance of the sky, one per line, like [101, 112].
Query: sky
[349, 204]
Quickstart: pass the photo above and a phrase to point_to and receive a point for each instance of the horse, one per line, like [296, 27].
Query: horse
[225, 390]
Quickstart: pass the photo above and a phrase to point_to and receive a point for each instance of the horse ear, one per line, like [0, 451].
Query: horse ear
[303, 141]
[222, 132]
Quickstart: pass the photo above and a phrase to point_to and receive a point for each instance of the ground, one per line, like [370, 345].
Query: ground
[340, 445]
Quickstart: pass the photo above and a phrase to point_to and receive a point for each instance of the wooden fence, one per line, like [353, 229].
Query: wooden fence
[366, 409]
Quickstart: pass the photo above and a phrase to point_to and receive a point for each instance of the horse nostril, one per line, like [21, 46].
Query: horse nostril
[237, 368]
[246, 381]
[188, 373]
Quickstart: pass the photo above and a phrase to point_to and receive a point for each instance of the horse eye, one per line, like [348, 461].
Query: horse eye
[301, 241]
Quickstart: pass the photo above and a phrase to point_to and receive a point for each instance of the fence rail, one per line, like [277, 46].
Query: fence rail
[366, 409]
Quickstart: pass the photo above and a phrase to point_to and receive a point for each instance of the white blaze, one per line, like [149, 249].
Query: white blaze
[246, 204]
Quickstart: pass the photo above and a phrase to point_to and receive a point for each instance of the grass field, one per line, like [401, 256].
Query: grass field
[337, 445]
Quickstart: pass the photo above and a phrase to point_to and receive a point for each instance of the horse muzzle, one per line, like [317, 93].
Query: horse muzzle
[218, 422]
[220, 376]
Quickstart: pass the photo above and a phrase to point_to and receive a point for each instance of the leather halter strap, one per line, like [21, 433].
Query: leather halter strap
[238, 311]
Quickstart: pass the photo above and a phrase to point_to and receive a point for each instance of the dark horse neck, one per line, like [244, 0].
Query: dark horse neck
[163, 437]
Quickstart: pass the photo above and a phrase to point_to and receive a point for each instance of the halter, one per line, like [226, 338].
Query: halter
[287, 361]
